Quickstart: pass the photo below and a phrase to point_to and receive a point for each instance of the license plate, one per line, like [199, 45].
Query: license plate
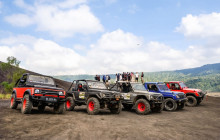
[51, 99]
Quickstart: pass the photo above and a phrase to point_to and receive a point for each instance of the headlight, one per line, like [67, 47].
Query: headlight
[177, 96]
[60, 93]
[150, 97]
[36, 91]
[102, 95]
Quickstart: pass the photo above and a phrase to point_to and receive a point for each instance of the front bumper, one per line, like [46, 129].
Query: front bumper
[48, 99]
[202, 95]
[181, 100]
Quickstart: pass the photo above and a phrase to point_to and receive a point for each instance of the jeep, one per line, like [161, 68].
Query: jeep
[172, 100]
[138, 98]
[37, 91]
[94, 95]
[194, 96]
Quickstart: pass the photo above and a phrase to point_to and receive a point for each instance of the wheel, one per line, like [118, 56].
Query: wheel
[127, 106]
[181, 106]
[26, 105]
[116, 109]
[70, 104]
[170, 104]
[13, 103]
[142, 107]
[158, 108]
[59, 109]
[93, 106]
[41, 108]
[191, 101]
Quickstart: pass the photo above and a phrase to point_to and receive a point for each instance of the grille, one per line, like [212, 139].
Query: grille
[181, 95]
[159, 98]
[49, 92]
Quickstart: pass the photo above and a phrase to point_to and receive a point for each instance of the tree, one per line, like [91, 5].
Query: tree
[13, 61]
[13, 72]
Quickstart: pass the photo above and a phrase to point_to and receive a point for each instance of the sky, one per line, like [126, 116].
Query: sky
[67, 37]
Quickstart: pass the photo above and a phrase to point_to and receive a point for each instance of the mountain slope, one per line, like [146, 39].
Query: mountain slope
[206, 77]
[4, 77]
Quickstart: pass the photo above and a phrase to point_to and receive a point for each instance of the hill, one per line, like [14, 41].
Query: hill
[206, 77]
[4, 76]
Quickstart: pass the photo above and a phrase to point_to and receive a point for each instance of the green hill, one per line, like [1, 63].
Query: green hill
[206, 77]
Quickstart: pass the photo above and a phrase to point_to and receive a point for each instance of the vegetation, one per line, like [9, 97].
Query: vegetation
[206, 77]
[11, 68]
[5, 96]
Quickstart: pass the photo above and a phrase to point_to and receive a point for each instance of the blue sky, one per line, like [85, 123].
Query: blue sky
[107, 36]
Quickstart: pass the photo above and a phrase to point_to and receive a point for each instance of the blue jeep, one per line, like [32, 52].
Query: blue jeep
[172, 100]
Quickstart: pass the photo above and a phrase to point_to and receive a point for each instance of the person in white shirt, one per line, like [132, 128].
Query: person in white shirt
[136, 77]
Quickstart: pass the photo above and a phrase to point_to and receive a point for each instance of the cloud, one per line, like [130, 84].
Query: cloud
[201, 26]
[119, 51]
[60, 19]
[42, 56]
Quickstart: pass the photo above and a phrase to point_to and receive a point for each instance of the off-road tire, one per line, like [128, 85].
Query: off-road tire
[70, 104]
[158, 109]
[127, 106]
[93, 106]
[181, 106]
[142, 107]
[41, 108]
[191, 101]
[116, 110]
[27, 105]
[170, 104]
[13, 103]
[59, 108]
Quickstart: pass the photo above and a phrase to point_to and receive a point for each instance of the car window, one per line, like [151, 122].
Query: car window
[22, 81]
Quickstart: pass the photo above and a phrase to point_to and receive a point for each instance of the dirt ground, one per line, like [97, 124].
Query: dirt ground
[201, 122]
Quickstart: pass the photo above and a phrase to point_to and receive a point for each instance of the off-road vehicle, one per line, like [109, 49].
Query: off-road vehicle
[138, 98]
[94, 95]
[37, 91]
[172, 100]
[194, 96]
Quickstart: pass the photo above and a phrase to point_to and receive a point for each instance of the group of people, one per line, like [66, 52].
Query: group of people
[125, 76]
[105, 78]
[129, 76]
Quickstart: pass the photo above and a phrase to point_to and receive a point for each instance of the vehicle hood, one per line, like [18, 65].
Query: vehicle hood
[148, 92]
[192, 89]
[171, 92]
[105, 91]
[47, 87]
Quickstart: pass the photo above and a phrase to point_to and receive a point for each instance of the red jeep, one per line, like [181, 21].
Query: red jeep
[194, 96]
[37, 91]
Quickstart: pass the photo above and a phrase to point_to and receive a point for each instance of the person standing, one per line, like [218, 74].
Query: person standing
[136, 77]
[104, 78]
[120, 77]
[129, 77]
[142, 78]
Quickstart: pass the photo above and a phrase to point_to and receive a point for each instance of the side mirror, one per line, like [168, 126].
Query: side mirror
[22, 81]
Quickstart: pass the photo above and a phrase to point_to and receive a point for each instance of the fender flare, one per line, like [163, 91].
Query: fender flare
[14, 92]
[28, 91]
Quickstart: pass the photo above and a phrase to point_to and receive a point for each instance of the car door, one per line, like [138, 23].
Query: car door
[80, 92]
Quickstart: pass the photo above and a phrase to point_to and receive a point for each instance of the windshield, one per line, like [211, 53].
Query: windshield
[163, 87]
[41, 80]
[136, 86]
[93, 84]
[182, 85]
